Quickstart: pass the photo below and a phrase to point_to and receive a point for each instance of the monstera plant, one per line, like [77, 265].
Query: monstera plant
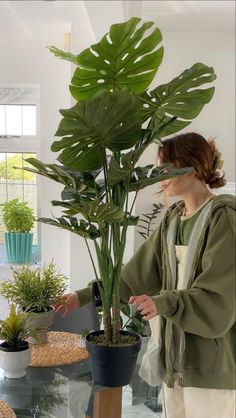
[114, 120]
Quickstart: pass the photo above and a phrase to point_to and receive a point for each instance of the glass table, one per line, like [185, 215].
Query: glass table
[50, 392]
[68, 392]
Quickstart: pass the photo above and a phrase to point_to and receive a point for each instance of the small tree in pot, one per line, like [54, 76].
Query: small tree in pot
[15, 352]
[19, 219]
[35, 291]
[102, 141]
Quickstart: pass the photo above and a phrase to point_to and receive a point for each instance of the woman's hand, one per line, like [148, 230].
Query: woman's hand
[145, 305]
[67, 304]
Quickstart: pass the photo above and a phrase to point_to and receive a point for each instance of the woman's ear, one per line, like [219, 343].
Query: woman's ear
[192, 174]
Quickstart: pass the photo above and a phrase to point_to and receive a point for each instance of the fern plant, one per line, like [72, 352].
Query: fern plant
[34, 290]
[147, 220]
[16, 328]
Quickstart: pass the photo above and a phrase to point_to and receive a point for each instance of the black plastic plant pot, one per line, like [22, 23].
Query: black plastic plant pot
[113, 366]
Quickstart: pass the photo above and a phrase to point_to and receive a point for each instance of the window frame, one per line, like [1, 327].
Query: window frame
[26, 143]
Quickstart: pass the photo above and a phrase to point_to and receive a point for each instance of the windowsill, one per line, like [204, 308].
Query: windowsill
[35, 259]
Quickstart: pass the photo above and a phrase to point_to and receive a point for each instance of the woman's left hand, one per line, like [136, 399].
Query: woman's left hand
[145, 305]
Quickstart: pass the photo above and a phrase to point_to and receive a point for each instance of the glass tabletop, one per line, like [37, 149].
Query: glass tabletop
[66, 392]
[51, 392]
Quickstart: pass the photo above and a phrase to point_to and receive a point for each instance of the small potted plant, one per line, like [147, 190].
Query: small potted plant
[15, 353]
[18, 218]
[35, 291]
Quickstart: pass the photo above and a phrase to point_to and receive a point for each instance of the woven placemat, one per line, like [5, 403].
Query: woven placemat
[6, 411]
[61, 348]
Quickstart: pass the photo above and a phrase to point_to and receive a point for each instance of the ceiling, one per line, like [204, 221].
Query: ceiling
[50, 20]
[175, 16]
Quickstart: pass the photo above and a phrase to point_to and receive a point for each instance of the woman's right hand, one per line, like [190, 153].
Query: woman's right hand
[67, 304]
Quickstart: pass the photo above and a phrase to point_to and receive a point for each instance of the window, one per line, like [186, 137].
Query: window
[17, 184]
[17, 120]
[19, 139]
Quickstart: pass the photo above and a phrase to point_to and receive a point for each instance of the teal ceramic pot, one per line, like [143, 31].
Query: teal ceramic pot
[19, 247]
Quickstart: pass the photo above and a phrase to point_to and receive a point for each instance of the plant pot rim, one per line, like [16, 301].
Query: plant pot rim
[16, 232]
[50, 309]
[23, 347]
[125, 333]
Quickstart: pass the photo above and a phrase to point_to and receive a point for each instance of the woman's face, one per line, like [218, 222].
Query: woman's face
[177, 186]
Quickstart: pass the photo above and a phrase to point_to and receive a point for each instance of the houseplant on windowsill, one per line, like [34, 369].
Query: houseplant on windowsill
[19, 219]
[14, 350]
[102, 140]
[35, 291]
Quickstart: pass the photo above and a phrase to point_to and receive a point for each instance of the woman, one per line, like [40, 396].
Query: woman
[185, 273]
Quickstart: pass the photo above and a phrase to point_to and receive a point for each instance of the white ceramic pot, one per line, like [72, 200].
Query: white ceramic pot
[43, 321]
[15, 363]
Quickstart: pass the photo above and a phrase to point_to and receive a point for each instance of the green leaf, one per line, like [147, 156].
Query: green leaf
[94, 211]
[108, 121]
[179, 99]
[123, 58]
[108, 212]
[132, 221]
[79, 227]
[51, 171]
[117, 173]
[68, 56]
[81, 183]
[146, 176]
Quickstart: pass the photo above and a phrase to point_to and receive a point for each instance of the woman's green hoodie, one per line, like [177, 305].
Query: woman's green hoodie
[205, 311]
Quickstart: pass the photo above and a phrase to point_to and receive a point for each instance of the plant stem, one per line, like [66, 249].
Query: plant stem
[91, 258]
[116, 318]
[133, 203]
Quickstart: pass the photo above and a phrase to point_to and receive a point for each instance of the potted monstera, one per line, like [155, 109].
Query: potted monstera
[115, 119]
[19, 219]
[35, 290]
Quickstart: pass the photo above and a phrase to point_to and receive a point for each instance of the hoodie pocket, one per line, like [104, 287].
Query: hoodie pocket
[200, 353]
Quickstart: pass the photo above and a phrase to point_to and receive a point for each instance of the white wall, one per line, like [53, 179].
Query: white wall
[26, 60]
[182, 50]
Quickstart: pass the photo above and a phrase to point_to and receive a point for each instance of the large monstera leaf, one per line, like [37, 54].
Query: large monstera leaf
[78, 185]
[80, 227]
[92, 211]
[108, 121]
[151, 174]
[180, 100]
[124, 57]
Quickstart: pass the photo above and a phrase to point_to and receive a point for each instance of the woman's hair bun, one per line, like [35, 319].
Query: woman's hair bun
[215, 180]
